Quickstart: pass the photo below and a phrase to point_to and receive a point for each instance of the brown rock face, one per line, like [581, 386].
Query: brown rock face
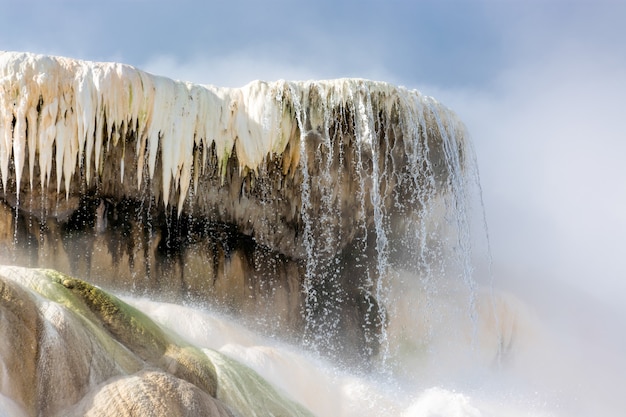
[281, 202]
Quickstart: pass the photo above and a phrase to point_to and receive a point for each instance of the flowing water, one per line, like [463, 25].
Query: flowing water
[440, 337]
[500, 361]
[452, 376]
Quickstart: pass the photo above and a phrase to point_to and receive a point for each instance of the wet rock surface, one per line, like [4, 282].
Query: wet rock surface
[281, 202]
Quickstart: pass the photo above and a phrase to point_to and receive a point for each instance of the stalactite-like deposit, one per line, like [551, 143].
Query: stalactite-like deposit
[65, 121]
[277, 199]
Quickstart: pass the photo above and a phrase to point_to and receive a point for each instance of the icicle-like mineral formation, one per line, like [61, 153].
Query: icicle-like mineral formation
[222, 193]
[59, 116]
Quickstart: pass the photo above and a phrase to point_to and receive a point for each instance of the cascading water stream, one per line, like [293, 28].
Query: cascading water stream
[367, 135]
[335, 215]
[363, 264]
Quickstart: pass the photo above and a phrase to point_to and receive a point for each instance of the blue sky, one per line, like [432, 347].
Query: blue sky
[541, 86]
[428, 40]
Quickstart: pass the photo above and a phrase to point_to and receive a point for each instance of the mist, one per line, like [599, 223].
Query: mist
[541, 86]
[546, 125]
[549, 137]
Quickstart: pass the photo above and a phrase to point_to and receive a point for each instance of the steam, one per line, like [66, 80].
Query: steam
[549, 140]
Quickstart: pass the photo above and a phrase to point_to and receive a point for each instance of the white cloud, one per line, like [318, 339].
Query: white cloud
[308, 53]
[234, 70]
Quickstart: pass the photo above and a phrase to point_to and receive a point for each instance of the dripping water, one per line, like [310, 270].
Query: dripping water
[422, 180]
[311, 337]
[367, 135]
[362, 261]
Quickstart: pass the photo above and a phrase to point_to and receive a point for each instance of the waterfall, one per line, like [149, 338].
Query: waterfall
[335, 218]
